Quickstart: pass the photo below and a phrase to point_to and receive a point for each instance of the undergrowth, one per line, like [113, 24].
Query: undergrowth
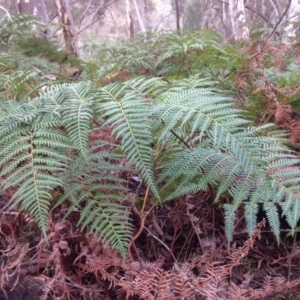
[90, 158]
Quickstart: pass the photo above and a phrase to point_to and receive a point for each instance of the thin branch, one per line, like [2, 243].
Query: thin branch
[95, 20]
[155, 237]
[274, 30]
[277, 25]
[256, 12]
[6, 12]
[139, 17]
[276, 7]
[85, 12]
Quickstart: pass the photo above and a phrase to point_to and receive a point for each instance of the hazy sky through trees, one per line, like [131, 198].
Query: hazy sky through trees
[112, 19]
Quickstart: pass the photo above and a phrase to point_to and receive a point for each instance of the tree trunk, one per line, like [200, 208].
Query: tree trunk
[139, 16]
[293, 16]
[33, 7]
[238, 19]
[143, 13]
[67, 22]
[226, 21]
[177, 17]
[129, 19]
[276, 8]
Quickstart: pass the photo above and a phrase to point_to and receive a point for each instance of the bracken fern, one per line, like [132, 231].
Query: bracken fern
[180, 136]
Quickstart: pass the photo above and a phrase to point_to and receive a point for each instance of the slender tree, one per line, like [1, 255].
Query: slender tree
[177, 17]
[293, 16]
[33, 7]
[140, 13]
[238, 19]
[5, 11]
[68, 25]
[129, 19]
[227, 30]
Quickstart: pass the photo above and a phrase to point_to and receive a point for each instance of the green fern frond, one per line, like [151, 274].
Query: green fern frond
[31, 159]
[18, 84]
[293, 215]
[273, 218]
[181, 45]
[127, 112]
[199, 166]
[96, 194]
[7, 62]
[13, 115]
[245, 161]
[109, 220]
[251, 211]
[213, 116]
[230, 218]
[52, 99]
[285, 180]
[193, 82]
[18, 26]
[186, 50]
[77, 113]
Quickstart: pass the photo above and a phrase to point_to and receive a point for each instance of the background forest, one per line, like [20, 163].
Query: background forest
[149, 149]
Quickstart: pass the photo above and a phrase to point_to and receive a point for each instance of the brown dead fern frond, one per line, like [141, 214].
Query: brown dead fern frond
[11, 263]
[294, 129]
[57, 285]
[270, 287]
[252, 78]
[282, 113]
[64, 246]
[238, 254]
[202, 276]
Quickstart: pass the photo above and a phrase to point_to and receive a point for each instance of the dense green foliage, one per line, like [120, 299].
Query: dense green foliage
[182, 133]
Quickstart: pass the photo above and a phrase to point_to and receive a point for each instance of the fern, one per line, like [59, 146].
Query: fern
[31, 158]
[242, 161]
[211, 115]
[77, 115]
[181, 136]
[19, 26]
[184, 53]
[127, 112]
[202, 141]
[94, 192]
[35, 154]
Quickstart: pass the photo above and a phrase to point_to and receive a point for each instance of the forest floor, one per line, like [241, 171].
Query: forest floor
[181, 249]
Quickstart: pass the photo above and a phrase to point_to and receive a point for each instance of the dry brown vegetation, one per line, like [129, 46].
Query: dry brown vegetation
[181, 254]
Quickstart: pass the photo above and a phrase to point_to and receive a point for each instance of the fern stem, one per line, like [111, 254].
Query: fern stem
[160, 241]
[85, 240]
[174, 133]
[180, 67]
[145, 199]
[291, 260]
[175, 237]
[143, 215]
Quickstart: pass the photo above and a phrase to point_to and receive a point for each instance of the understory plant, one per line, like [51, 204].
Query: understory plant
[179, 138]
[180, 133]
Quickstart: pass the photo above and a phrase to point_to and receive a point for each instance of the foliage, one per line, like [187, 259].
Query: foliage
[181, 133]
